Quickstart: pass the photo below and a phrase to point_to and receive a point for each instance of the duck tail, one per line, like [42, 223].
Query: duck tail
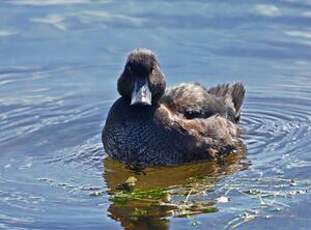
[237, 93]
[219, 90]
[233, 94]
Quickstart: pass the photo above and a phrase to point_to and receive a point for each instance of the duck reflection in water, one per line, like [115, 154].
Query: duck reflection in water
[145, 199]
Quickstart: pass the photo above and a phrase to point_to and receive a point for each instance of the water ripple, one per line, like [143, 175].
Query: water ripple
[59, 60]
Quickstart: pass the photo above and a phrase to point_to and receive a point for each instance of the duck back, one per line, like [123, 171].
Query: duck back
[195, 101]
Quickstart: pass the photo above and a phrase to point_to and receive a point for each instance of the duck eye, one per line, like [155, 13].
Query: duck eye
[129, 67]
[153, 68]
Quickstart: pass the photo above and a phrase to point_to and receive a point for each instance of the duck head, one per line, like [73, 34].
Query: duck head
[141, 81]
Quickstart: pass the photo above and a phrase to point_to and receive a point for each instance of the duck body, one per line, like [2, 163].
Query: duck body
[139, 136]
[183, 124]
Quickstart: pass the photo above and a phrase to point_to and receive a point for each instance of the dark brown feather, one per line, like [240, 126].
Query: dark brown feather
[188, 123]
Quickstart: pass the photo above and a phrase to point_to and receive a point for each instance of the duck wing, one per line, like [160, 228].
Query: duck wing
[195, 101]
[207, 138]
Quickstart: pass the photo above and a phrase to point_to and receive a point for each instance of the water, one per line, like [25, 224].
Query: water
[58, 69]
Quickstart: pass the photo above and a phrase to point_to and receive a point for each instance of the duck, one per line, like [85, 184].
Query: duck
[151, 125]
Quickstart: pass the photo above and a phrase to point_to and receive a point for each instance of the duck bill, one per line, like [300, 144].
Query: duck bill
[141, 94]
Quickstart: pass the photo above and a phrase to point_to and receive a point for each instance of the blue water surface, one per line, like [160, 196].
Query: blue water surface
[59, 61]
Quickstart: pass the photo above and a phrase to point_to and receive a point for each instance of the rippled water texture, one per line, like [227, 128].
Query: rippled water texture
[58, 66]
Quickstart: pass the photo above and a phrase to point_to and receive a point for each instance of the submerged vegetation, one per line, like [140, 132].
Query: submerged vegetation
[174, 201]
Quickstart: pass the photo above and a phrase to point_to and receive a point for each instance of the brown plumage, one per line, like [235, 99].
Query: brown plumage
[151, 126]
